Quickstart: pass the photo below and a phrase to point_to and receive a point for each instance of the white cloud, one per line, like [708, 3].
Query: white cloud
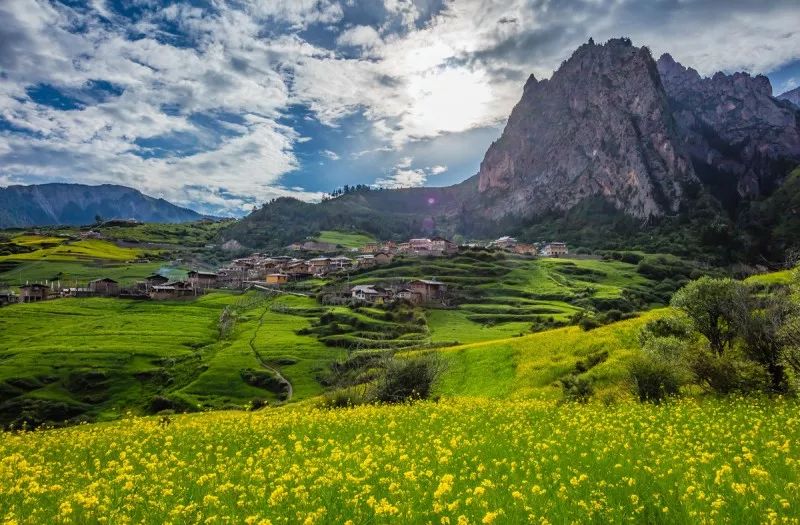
[404, 176]
[330, 154]
[360, 36]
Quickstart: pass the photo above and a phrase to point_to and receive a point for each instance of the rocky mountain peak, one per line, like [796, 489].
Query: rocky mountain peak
[742, 141]
[600, 126]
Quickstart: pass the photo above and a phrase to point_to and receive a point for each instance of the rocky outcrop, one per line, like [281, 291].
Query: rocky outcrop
[601, 126]
[792, 96]
[742, 141]
[74, 204]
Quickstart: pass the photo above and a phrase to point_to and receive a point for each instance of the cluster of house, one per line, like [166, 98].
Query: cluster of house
[153, 287]
[436, 246]
[439, 246]
[418, 291]
[547, 249]
[282, 269]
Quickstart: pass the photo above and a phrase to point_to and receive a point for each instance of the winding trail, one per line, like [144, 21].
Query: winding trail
[263, 361]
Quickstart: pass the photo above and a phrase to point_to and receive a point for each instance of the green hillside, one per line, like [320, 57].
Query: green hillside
[344, 239]
[98, 358]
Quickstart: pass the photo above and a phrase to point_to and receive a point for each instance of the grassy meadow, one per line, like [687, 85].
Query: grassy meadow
[459, 461]
[40, 258]
[98, 358]
[531, 366]
[344, 239]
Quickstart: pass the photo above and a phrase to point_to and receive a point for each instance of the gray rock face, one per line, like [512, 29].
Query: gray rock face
[741, 140]
[601, 126]
[792, 96]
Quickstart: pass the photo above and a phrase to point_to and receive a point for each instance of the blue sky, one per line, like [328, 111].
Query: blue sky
[223, 104]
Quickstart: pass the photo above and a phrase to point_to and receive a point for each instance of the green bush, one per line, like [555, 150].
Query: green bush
[577, 388]
[588, 323]
[654, 379]
[407, 379]
[727, 375]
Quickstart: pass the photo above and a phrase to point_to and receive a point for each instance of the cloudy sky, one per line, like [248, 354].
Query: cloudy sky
[223, 104]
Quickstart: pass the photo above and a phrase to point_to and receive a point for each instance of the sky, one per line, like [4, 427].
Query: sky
[221, 105]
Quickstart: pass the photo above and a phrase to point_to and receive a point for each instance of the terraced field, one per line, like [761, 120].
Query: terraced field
[498, 289]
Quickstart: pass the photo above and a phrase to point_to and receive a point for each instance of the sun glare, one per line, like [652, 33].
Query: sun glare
[448, 100]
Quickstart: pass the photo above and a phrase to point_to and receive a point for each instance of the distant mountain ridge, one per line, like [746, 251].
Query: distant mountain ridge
[792, 96]
[75, 204]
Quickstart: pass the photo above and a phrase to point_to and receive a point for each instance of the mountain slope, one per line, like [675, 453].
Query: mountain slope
[72, 204]
[385, 214]
[600, 126]
[792, 96]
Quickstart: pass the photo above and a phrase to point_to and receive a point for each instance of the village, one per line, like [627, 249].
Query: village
[274, 272]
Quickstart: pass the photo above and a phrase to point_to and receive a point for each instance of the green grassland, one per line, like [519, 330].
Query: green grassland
[98, 357]
[495, 334]
[70, 250]
[193, 234]
[531, 366]
[15, 273]
[39, 258]
[344, 239]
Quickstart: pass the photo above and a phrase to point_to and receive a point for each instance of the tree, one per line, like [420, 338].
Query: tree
[98, 219]
[762, 328]
[714, 306]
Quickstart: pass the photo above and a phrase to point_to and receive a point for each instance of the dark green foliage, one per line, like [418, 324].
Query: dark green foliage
[33, 412]
[577, 388]
[725, 374]
[712, 305]
[588, 323]
[172, 404]
[654, 379]
[591, 361]
[408, 379]
[265, 379]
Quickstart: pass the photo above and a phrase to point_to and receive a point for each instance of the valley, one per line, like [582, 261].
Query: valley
[479, 277]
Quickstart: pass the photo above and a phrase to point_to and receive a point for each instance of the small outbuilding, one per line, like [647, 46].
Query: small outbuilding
[202, 280]
[30, 293]
[277, 279]
[104, 286]
[428, 290]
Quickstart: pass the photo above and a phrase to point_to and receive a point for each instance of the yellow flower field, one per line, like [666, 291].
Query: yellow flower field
[456, 462]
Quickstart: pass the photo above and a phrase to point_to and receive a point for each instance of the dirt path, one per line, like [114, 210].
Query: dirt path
[263, 361]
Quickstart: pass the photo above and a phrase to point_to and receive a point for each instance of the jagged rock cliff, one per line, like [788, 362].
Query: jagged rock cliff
[742, 141]
[601, 126]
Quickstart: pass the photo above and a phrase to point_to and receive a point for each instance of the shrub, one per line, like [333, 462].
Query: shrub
[668, 326]
[577, 388]
[345, 397]
[655, 379]
[591, 361]
[726, 375]
[588, 323]
[613, 316]
[406, 379]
